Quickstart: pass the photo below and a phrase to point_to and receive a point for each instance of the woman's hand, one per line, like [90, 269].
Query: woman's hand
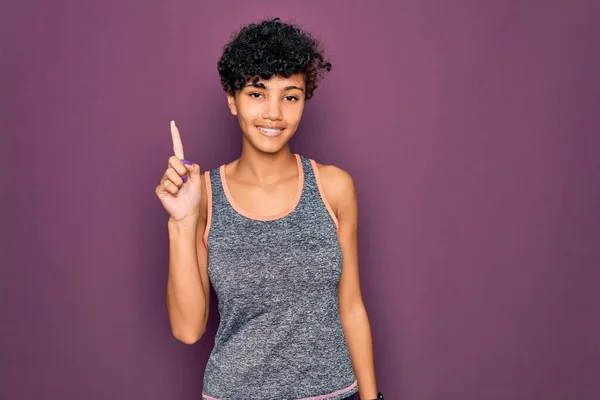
[180, 188]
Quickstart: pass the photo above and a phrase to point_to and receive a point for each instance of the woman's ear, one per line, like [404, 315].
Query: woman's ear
[231, 103]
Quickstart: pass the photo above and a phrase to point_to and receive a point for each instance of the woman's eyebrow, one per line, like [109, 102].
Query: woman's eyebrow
[293, 87]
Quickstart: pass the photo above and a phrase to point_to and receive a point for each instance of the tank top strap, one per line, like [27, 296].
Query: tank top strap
[309, 175]
[313, 192]
[218, 197]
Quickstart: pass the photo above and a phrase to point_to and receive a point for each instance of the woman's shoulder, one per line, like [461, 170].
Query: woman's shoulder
[334, 176]
[337, 184]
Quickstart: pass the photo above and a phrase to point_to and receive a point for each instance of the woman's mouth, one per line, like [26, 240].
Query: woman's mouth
[270, 131]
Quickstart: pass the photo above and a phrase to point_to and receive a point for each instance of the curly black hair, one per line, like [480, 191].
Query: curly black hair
[268, 48]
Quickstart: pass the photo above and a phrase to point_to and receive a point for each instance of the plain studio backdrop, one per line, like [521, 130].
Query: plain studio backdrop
[470, 128]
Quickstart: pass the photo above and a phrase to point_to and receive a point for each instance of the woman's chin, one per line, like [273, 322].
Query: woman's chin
[269, 145]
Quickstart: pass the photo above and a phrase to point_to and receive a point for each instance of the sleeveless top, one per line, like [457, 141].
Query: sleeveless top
[276, 279]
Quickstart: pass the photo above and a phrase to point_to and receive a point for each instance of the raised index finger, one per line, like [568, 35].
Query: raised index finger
[177, 145]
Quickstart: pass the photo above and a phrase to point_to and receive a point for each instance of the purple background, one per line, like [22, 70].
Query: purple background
[470, 127]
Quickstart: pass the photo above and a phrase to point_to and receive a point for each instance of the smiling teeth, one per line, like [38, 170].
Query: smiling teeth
[270, 130]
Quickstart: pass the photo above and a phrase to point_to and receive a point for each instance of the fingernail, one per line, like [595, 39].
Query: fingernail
[186, 162]
[185, 178]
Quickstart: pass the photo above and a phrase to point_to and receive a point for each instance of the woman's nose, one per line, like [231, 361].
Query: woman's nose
[273, 110]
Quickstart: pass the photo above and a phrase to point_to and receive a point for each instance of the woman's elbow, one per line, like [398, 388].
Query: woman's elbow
[188, 336]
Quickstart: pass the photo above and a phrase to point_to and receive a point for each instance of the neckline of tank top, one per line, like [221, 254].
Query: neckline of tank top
[280, 215]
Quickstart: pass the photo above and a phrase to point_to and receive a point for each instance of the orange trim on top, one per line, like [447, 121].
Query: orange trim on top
[336, 393]
[322, 192]
[321, 397]
[282, 214]
[208, 207]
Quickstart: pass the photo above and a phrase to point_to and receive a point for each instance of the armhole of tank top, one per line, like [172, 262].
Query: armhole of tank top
[208, 208]
[322, 193]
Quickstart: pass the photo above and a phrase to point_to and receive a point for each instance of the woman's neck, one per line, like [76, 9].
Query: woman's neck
[264, 168]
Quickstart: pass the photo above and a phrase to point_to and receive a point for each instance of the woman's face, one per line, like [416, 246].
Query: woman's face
[269, 111]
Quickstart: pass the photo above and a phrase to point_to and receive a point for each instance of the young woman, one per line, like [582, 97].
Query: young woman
[275, 234]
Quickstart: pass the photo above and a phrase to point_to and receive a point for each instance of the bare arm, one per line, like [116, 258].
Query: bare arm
[188, 284]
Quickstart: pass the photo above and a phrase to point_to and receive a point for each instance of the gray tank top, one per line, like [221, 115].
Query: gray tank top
[280, 334]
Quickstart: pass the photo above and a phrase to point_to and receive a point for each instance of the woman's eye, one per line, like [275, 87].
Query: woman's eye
[255, 95]
[291, 98]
